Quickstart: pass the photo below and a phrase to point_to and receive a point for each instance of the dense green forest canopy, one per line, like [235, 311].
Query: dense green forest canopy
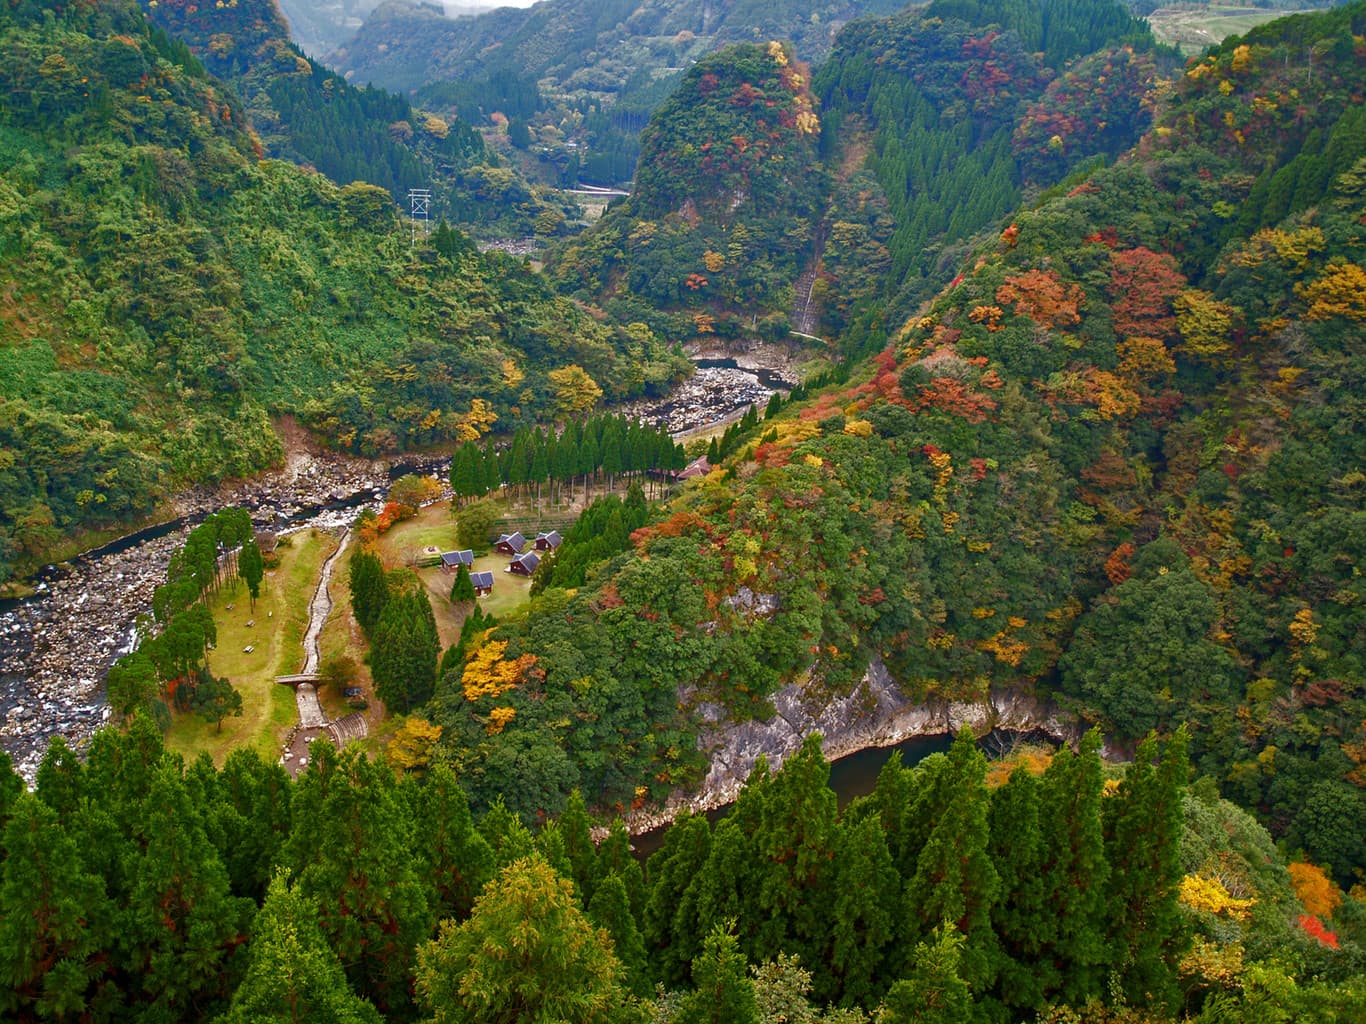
[136, 887]
[169, 292]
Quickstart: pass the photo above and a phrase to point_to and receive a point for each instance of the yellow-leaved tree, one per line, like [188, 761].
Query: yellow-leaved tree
[575, 391]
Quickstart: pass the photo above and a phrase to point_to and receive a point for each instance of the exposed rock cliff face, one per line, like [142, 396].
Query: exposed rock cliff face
[875, 714]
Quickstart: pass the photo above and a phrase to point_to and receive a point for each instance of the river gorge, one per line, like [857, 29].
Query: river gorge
[57, 645]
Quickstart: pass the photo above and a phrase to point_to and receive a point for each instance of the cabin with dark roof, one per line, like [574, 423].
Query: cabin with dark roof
[483, 583]
[697, 467]
[510, 544]
[524, 565]
[548, 541]
[451, 561]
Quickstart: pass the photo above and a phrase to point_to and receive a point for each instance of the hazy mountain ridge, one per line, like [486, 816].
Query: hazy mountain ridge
[585, 44]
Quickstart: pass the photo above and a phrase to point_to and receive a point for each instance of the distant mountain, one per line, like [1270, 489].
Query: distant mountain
[592, 46]
[320, 26]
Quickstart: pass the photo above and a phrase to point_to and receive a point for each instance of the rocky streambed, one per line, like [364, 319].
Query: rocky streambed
[713, 395]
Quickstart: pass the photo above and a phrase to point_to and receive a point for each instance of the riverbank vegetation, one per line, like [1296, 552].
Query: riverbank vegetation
[254, 645]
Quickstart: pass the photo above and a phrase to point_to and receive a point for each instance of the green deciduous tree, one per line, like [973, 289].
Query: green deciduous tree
[527, 953]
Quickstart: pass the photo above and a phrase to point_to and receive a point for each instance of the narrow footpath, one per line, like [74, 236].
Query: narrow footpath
[313, 721]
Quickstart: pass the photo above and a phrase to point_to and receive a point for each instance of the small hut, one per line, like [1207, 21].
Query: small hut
[483, 583]
[548, 541]
[524, 565]
[510, 544]
[451, 561]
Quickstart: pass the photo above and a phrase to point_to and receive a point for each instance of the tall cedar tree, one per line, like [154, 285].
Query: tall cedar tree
[56, 924]
[862, 924]
[352, 849]
[1075, 872]
[182, 929]
[1143, 826]
[722, 991]
[369, 591]
[1022, 918]
[669, 924]
[254, 820]
[462, 589]
[797, 839]
[251, 567]
[955, 880]
[294, 976]
[404, 650]
[610, 910]
[576, 829]
[931, 991]
[615, 856]
[459, 860]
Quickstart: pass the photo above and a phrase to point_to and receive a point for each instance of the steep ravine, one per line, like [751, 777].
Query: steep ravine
[874, 714]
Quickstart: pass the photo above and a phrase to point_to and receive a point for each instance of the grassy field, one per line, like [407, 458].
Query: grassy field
[1192, 31]
[433, 526]
[274, 631]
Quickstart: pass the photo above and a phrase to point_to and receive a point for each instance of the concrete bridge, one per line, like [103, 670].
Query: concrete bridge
[303, 677]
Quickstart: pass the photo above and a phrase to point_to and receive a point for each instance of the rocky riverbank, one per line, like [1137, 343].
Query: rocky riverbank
[874, 714]
[709, 396]
[56, 646]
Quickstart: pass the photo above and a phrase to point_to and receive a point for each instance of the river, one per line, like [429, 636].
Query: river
[856, 775]
[57, 645]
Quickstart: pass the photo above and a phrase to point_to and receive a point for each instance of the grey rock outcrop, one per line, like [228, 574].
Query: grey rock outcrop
[874, 714]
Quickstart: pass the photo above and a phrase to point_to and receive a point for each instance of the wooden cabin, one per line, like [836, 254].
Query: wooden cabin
[510, 544]
[451, 561]
[548, 541]
[524, 565]
[483, 583]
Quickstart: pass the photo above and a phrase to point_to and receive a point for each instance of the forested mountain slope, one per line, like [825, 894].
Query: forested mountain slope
[1115, 463]
[305, 113]
[929, 128]
[167, 292]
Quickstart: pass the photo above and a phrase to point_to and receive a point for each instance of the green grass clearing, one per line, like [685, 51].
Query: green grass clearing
[276, 638]
[434, 526]
[1193, 31]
